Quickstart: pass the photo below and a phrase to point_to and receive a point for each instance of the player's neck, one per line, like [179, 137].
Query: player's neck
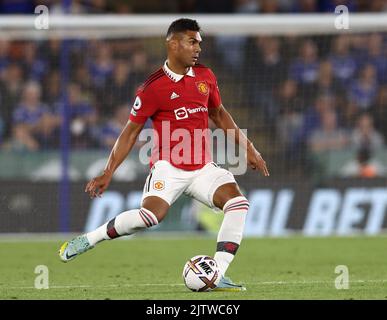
[176, 67]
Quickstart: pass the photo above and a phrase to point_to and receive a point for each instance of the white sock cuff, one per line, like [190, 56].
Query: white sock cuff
[148, 217]
[236, 204]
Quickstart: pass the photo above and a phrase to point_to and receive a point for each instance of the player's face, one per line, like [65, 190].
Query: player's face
[188, 49]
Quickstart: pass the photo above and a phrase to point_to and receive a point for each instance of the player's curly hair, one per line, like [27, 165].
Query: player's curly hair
[182, 25]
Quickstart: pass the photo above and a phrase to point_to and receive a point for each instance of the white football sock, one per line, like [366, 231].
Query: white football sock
[125, 223]
[231, 231]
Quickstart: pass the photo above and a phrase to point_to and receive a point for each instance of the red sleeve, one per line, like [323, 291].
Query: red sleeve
[214, 100]
[144, 106]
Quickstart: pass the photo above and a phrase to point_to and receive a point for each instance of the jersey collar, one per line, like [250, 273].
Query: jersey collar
[175, 77]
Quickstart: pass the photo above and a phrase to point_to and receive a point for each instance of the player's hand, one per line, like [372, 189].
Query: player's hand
[97, 186]
[255, 161]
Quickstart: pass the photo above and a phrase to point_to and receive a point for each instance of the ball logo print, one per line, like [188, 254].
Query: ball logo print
[181, 113]
[202, 87]
[201, 273]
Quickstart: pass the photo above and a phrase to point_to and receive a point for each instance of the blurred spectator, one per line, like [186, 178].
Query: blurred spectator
[246, 6]
[379, 111]
[51, 52]
[83, 78]
[364, 166]
[377, 6]
[102, 66]
[312, 118]
[118, 88]
[4, 59]
[306, 6]
[290, 113]
[231, 51]
[348, 113]
[365, 135]
[34, 124]
[305, 68]
[343, 63]
[268, 70]
[83, 118]
[268, 66]
[364, 89]
[139, 67]
[111, 130]
[97, 6]
[124, 8]
[377, 56]
[10, 91]
[76, 7]
[330, 5]
[324, 85]
[34, 67]
[359, 47]
[328, 136]
[52, 85]
[269, 6]
[2, 129]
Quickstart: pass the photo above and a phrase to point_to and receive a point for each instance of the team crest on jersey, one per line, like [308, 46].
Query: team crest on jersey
[202, 87]
[158, 185]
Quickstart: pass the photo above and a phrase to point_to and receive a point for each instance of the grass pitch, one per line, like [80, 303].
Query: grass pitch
[150, 268]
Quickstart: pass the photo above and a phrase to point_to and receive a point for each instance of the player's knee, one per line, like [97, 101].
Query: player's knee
[157, 206]
[150, 219]
[239, 203]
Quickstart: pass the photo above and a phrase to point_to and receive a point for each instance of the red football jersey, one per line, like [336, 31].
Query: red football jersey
[178, 107]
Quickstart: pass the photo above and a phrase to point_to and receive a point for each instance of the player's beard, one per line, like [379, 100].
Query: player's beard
[189, 62]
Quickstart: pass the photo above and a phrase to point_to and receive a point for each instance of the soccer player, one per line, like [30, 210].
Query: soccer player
[182, 94]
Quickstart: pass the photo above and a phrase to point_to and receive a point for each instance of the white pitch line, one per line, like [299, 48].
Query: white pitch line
[313, 282]
[106, 286]
[181, 284]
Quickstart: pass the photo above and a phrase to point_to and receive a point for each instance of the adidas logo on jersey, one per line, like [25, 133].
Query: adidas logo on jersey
[174, 95]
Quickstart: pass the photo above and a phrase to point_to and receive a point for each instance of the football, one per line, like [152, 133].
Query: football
[201, 273]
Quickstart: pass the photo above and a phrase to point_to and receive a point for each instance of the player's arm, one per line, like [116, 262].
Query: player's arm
[222, 119]
[120, 151]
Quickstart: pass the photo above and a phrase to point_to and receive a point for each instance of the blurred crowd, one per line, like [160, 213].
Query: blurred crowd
[308, 95]
[321, 94]
[317, 93]
[102, 80]
[192, 6]
[324, 92]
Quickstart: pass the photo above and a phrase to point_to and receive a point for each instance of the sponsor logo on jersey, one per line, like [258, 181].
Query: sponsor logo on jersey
[202, 87]
[158, 185]
[183, 112]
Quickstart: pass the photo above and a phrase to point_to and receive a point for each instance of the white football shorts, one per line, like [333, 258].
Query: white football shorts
[168, 182]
